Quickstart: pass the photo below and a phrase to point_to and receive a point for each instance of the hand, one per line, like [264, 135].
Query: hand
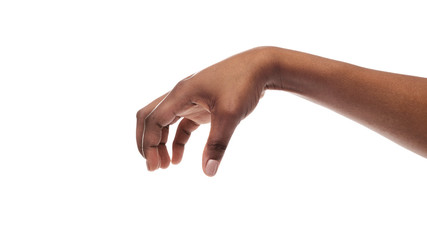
[222, 94]
[225, 93]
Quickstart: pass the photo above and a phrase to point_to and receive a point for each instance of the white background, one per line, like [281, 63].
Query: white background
[74, 73]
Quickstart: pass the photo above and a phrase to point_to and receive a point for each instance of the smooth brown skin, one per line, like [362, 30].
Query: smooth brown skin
[394, 105]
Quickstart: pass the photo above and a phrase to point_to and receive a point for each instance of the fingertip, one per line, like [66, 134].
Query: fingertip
[176, 162]
[211, 167]
[164, 165]
[164, 157]
[148, 167]
[153, 160]
[176, 159]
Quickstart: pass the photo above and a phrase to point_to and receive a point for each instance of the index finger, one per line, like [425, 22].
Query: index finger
[140, 117]
[155, 117]
[163, 115]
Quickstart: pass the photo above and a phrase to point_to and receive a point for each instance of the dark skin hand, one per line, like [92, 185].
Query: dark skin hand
[223, 94]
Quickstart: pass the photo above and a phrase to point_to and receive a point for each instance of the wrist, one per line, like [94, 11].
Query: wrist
[272, 68]
[299, 72]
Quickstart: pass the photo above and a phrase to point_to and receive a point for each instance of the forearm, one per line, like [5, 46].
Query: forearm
[394, 105]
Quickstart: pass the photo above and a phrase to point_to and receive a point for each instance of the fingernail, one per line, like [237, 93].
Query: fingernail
[212, 167]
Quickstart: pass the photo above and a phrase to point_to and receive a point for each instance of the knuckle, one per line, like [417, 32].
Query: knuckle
[141, 113]
[180, 85]
[150, 118]
[230, 113]
[217, 146]
[152, 121]
[231, 110]
[230, 116]
[186, 132]
[178, 144]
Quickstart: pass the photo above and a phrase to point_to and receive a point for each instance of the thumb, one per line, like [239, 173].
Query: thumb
[222, 128]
